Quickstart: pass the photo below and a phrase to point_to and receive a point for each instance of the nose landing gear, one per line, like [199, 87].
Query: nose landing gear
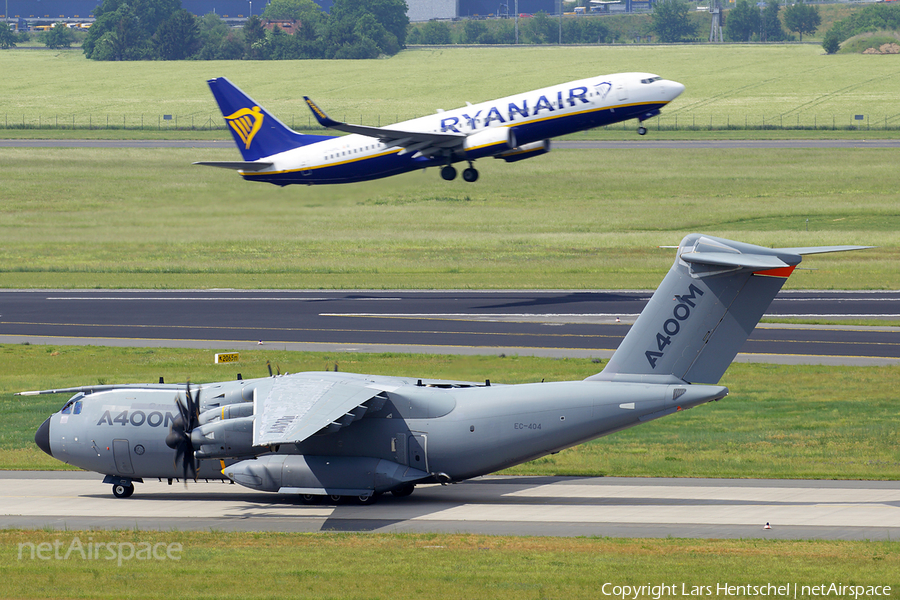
[642, 130]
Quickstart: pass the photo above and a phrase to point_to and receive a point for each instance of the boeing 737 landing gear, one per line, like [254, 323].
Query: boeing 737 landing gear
[470, 174]
[448, 173]
[642, 130]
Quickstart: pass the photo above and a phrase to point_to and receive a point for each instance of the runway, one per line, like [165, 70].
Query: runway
[541, 506]
[564, 323]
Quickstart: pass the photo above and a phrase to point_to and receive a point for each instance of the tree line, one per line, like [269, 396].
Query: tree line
[163, 30]
[539, 29]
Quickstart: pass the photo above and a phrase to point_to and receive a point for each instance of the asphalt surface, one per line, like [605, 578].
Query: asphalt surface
[557, 506]
[551, 323]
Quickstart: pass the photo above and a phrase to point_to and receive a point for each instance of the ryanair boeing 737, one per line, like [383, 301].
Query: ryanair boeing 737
[512, 128]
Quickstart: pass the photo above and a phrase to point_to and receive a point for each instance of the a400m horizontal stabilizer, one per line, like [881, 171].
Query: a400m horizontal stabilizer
[704, 310]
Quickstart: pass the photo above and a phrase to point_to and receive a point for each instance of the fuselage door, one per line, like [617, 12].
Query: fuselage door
[122, 456]
[398, 448]
[621, 89]
[418, 451]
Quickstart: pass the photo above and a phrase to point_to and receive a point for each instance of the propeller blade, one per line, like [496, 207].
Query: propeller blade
[179, 437]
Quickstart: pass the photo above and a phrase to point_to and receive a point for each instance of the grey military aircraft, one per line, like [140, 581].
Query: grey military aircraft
[358, 436]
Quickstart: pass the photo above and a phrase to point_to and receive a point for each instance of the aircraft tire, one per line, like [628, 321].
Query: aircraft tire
[470, 174]
[121, 490]
[642, 130]
[366, 500]
[310, 499]
[335, 499]
[448, 173]
[403, 492]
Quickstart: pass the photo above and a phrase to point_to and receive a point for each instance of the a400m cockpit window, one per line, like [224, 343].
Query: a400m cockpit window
[650, 80]
[73, 406]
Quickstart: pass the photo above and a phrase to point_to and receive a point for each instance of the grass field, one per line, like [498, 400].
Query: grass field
[778, 421]
[738, 85]
[272, 565]
[142, 218]
[572, 219]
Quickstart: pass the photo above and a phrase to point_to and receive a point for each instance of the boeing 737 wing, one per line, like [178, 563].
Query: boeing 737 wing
[426, 143]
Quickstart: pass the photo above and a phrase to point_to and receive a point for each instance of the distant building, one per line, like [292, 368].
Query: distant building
[289, 27]
[496, 8]
[426, 10]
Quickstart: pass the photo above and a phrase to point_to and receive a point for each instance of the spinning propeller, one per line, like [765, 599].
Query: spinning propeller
[179, 438]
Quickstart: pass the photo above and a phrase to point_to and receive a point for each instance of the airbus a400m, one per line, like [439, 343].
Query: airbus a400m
[512, 128]
[347, 435]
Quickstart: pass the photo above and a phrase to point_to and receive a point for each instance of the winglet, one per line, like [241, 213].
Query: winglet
[323, 119]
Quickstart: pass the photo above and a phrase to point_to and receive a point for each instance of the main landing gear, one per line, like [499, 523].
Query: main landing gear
[363, 500]
[121, 490]
[469, 174]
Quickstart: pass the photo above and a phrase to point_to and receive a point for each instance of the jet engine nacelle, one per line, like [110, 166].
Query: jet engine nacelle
[489, 142]
[525, 151]
[318, 475]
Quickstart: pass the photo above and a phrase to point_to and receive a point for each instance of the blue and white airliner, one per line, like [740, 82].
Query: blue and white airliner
[512, 128]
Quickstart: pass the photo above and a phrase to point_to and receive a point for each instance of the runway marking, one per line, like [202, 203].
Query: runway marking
[322, 330]
[470, 315]
[215, 298]
[719, 493]
[816, 515]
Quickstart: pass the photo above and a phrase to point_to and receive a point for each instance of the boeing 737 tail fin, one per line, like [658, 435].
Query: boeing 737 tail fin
[256, 132]
[704, 310]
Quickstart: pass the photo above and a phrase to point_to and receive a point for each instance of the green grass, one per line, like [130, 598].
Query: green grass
[737, 85]
[275, 565]
[145, 218]
[778, 422]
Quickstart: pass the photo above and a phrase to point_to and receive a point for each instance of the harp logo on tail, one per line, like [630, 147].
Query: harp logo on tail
[246, 122]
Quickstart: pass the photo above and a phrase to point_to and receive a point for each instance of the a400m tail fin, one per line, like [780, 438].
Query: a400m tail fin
[256, 132]
[704, 310]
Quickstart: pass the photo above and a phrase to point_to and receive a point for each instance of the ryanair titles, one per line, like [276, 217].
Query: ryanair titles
[517, 110]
